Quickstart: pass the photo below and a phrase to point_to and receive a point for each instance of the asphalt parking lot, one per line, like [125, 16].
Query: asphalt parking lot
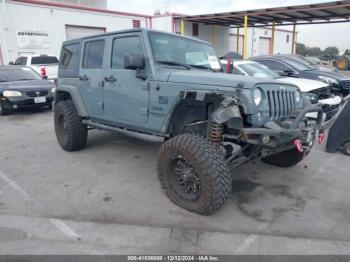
[106, 199]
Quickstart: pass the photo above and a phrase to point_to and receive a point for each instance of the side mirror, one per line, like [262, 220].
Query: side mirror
[133, 61]
[286, 72]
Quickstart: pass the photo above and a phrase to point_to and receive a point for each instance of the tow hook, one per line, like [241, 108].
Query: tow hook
[321, 138]
[298, 145]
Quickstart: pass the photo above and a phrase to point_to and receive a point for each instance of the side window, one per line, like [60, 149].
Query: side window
[93, 54]
[24, 60]
[122, 46]
[69, 59]
[274, 65]
[18, 61]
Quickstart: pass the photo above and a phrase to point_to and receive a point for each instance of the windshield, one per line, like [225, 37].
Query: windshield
[297, 65]
[175, 50]
[17, 74]
[258, 70]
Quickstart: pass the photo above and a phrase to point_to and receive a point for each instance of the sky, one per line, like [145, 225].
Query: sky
[312, 35]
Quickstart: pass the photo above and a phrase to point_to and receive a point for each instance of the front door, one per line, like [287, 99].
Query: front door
[125, 95]
[91, 76]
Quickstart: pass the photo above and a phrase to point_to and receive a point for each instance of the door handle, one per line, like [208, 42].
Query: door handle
[84, 78]
[110, 79]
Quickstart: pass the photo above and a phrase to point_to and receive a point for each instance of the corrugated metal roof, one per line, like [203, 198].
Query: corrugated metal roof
[331, 12]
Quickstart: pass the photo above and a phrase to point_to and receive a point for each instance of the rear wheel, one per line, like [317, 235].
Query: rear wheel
[194, 173]
[346, 148]
[287, 158]
[3, 109]
[70, 131]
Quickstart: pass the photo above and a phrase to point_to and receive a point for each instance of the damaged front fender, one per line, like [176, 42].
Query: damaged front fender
[229, 114]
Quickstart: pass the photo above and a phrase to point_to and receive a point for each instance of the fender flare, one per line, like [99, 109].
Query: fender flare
[75, 97]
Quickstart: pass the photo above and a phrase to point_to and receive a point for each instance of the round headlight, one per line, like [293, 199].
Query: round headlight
[11, 93]
[257, 96]
[297, 97]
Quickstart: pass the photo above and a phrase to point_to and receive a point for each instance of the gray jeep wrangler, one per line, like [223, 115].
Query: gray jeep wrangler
[167, 88]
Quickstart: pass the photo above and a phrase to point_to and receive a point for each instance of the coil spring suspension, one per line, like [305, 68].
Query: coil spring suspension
[216, 132]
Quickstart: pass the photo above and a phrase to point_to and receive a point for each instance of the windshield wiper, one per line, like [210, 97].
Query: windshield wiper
[174, 63]
[201, 67]
[24, 79]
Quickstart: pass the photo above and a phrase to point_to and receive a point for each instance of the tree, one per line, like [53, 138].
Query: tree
[314, 51]
[332, 50]
[301, 49]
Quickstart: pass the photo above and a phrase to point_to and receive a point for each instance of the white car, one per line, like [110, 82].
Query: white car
[311, 88]
[255, 69]
[44, 65]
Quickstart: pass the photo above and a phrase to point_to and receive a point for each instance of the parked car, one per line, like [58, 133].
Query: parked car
[308, 61]
[340, 83]
[168, 88]
[339, 132]
[315, 64]
[22, 87]
[316, 91]
[315, 60]
[255, 69]
[44, 65]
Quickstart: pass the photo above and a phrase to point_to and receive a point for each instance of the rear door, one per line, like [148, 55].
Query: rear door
[126, 96]
[91, 75]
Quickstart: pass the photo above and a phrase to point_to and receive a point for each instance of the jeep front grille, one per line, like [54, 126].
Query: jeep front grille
[281, 103]
[37, 93]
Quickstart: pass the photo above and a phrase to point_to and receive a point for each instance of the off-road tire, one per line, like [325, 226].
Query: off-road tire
[207, 159]
[74, 136]
[3, 111]
[346, 148]
[287, 158]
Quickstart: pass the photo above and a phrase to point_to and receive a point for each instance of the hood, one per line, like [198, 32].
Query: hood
[27, 85]
[305, 85]
[335, 75]
[213, 78]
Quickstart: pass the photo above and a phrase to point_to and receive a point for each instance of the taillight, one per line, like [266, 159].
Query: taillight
[43, 72]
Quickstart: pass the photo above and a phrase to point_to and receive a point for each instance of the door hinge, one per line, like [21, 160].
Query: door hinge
[103, 84]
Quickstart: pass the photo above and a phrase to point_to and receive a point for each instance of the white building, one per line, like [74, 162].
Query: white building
[40, 27]
[224, 38]
[37, 27]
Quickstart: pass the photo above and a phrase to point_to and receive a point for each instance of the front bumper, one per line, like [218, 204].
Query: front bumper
[25, 102]
[278, 135]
